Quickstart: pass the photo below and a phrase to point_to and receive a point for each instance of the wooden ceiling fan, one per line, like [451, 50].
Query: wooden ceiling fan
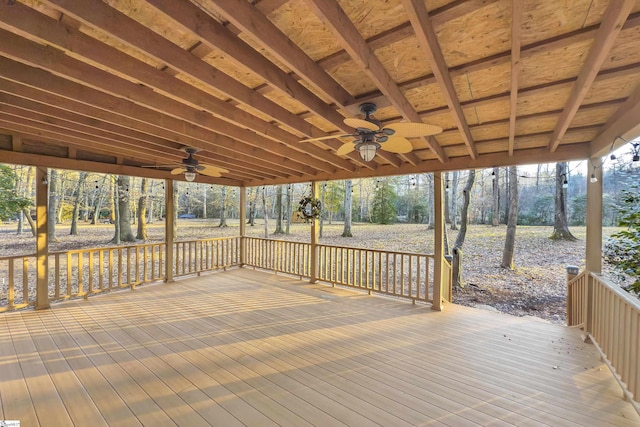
[370, 135]
[190, 167]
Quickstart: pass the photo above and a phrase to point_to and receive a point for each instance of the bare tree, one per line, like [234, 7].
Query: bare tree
[447, 200]
[278, 213]
[264, 209]
[253, 195]
[53, 202]
[76, 203]
[496, 197]
[123, 210]
[510, 238]
[348, 201]
[142, 211]
[223, 208]
[288, 212]
[323, 193]
[466, 195]
[453, 198]
[561, 225]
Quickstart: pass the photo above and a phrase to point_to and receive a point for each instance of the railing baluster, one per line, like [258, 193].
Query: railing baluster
[11, 289]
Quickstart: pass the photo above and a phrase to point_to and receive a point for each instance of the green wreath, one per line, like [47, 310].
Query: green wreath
[310, 208]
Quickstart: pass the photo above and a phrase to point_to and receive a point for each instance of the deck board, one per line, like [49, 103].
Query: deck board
[251, 348]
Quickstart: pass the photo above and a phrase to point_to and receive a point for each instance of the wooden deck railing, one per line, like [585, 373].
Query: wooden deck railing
[611, 320]
[197, 256]
[17, 289]
[400, 274]
[615, 328]
[576, 300]
[279, 255]
[80, 273]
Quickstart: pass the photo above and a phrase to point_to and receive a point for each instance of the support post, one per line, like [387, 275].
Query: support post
[314, 239]
[243, 225]
[42, 240]
[438, 253]
[594, 237]
[168, 228]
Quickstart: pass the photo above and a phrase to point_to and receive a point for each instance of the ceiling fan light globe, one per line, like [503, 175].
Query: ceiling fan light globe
[367, 150]
[190, 176]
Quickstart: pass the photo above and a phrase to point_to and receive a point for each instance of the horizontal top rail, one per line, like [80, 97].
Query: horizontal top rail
[633, 302]
[5, 258]
[378, 250]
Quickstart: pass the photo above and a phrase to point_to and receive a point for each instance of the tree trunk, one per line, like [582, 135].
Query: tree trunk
[348, 201]
[53, 205]
[223, 208]
[278, 213]
[97, 207]
[466, 195]
[116, 213]
[266, 215]
[561, 225]
[453, 196]
[142, 211]
[123, 209]
[204, 202]
[430, 192]
[510, 239]
[60, 190]
[76, 203]
[288, 212]
[253, 195]
[32, 223]
[495, 221]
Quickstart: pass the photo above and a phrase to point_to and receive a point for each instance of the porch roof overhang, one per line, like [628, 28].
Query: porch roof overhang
[113, 86]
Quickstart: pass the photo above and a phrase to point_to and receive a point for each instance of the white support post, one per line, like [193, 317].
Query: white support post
[42, 240]
[168, 228]
[438, 253]
[243, 225]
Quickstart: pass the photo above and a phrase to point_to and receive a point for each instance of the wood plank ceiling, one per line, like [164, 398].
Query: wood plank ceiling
[111, 85]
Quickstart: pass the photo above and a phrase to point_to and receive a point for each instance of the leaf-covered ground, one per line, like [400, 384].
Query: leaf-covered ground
[536, 287]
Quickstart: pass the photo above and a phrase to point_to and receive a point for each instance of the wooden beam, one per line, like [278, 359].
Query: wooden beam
[40, 160]
[438, 244]
[517, 7]
[334, 18]
[530, 156]
[42, 240]
[428, 39]
[624, 123]
[611, 25]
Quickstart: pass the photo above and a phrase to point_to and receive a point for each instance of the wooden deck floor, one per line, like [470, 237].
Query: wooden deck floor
[255, 349]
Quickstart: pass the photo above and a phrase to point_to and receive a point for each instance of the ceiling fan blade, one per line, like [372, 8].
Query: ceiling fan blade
[359, 123]
[346, 148]
[210, 170]
[177, 171]
[413, 130]
[325, 137]
[397, 144]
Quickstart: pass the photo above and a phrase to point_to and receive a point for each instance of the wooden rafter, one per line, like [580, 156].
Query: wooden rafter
[611, 25]
[250, 21]
[623, 122]
[423, 27]
[516, 30]
[334, 17]
[135, 35]
[217, 36]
